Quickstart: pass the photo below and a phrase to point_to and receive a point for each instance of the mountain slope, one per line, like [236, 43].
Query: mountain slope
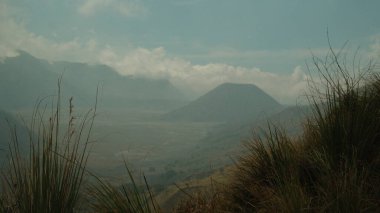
[227, 102]
[115, 87]
[24, 79]
[225, 142]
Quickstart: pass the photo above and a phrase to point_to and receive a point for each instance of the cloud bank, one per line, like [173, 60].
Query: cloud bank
[151, 63]
[155, 63]
[15, 36]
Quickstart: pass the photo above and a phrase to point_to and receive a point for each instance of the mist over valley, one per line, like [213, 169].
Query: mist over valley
[189, 106]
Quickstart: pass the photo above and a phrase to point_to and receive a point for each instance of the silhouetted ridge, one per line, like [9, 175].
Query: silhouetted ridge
[25, 79]
[227, 102]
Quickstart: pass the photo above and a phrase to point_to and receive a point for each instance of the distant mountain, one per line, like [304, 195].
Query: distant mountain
[24, 79]
[227, 102]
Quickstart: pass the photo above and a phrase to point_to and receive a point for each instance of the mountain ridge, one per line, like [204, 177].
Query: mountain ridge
[25, 79]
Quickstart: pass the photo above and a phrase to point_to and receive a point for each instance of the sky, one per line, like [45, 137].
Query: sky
[196, 44]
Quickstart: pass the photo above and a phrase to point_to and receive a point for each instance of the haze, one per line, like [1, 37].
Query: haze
[181, 82]
[195, 44]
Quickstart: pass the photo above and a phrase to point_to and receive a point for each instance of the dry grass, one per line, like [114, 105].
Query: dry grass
[47, 175]
[208, 200]
[333, 167]
[128, 198]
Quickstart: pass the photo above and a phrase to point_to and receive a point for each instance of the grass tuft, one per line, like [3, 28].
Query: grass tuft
[128, 198]
[47, 175]
[334, 166]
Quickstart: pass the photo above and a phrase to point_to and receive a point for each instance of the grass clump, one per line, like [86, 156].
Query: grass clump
[209, 199]
[128, 198]
[47, 173]
[269, 176]
[334, 166]
[343, 137]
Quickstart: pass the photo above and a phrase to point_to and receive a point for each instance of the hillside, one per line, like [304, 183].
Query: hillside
[24, 79]
[227, 102]
[223, 144]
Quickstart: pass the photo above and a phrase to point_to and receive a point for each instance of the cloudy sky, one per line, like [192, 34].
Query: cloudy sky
[196, 44]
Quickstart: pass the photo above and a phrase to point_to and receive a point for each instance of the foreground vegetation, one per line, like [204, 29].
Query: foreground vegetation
[334, 166]
[48, 171]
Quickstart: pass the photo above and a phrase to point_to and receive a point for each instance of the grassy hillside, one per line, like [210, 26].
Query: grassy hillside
[334, 166]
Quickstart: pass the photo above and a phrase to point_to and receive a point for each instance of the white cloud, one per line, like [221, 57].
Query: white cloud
[262, 54]
[151, 63]
[10, 33]
[17, 37]
[201, 78]
[123, 7]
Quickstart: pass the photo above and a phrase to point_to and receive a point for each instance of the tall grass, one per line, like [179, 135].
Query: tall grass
[208, 200]
[128, 198]
[345, 122]
[343, 135]
[334, 166]
[268, 177]
[47, 174]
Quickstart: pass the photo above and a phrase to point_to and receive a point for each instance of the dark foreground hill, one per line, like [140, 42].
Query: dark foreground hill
[24, 79]
[227, 102]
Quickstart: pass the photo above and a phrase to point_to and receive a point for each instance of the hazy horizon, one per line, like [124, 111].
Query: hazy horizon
[214, 105]
[195, 44]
